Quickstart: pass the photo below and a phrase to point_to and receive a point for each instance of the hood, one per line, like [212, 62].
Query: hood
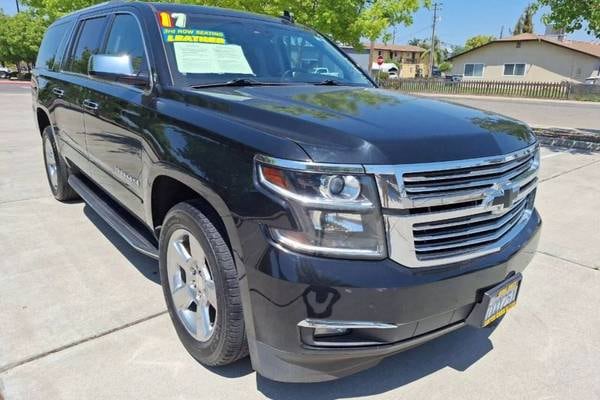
[370, 126]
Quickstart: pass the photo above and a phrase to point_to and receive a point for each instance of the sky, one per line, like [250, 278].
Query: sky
[458, 20]
[461, 19]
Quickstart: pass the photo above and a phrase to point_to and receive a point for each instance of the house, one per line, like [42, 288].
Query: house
[389, 68]
[529, 58]
[408, 58]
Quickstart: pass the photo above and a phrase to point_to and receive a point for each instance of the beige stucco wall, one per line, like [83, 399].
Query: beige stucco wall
[410, 70]
[545, 62]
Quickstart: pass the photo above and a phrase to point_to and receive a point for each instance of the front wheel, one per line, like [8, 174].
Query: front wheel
[200, 286]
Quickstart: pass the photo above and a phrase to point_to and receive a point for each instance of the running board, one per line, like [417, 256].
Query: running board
[122, 224]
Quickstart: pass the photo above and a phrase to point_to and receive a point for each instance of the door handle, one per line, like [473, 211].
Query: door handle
[58, 92]
[90, 105]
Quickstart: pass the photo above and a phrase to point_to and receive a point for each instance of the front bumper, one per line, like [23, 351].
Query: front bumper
[415, 305]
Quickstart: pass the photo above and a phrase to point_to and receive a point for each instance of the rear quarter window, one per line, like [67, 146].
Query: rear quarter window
[52, 45]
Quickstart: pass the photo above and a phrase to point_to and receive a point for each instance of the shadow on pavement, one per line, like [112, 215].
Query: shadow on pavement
[458, 350]
[146, 265]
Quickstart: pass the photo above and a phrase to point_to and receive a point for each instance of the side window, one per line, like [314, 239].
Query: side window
[49, 49]
[88, 43]
[125, 38]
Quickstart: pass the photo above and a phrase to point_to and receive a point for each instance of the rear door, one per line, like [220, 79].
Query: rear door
[87, 41]
[115, 121]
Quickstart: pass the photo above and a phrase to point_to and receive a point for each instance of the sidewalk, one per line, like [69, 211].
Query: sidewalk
[11, 82]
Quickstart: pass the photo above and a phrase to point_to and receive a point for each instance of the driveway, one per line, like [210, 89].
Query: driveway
[83, 314]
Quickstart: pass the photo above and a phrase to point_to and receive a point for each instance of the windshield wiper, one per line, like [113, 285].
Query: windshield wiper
[236, 82]
[329, 82]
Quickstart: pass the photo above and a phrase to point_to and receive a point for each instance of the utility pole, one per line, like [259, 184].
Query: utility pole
[501, 31]
[432, 48]
[17, 2]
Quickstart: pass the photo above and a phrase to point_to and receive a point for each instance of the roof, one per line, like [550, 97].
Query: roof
[588, 48]
[395, 47]
[184, 8]
[208, 10]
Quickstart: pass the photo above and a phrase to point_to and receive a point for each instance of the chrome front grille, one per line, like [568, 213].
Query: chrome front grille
[448, 212]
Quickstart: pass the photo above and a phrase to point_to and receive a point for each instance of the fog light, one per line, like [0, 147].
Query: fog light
[322, 332]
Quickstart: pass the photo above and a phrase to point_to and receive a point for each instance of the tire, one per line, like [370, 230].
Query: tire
[57, 170]
[197, 269]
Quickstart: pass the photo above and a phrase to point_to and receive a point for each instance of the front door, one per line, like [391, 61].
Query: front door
[115, 114]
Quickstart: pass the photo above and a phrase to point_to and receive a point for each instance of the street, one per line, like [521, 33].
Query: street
[538, 113]
[83, 314]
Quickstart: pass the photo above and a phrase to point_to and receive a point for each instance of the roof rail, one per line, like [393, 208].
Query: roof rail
[93, 7]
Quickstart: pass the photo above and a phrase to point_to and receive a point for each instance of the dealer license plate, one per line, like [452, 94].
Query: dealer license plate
[501, 299]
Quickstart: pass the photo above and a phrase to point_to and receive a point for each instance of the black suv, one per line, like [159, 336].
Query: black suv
[299, 213]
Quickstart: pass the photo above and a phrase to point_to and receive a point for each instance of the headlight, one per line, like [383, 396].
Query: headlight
[337, 214]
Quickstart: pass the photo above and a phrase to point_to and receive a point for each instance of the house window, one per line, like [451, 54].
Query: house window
[514, 69]
[475, 70]
[379, 52]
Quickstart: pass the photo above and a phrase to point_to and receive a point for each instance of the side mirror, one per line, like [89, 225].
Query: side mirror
[116, 68]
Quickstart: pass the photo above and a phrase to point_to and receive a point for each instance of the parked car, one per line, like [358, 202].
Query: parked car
[592, 80]
[4, 72]
[293, 217]
[453, 78]
[324, 71]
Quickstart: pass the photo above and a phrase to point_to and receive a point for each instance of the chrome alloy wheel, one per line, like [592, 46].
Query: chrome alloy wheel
[191, 285]
[51, 164]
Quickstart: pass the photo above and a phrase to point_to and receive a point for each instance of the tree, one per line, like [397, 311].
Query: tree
[456, 49]
[441, 53]
[445, 66]
[20, 37]
[477, 41]
[572, 15]
[374, 18]
[344, 21]
[525, 22]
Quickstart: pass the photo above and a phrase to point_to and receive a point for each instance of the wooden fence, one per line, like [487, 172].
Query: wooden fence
[545, 90]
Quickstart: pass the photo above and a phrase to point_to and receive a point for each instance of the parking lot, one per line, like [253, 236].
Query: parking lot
[83, 314]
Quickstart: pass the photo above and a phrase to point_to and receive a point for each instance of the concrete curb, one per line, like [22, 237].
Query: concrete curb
[568, 143]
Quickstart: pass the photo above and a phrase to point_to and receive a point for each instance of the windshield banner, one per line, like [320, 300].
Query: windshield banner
[171, 35]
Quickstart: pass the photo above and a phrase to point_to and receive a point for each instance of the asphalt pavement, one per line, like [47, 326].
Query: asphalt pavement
[83, 315]
[536, 112]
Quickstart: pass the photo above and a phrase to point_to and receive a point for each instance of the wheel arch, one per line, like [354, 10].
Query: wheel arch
[42, 117]
[169, 186]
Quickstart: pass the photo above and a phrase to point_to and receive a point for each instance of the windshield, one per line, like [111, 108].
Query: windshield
[205, 50]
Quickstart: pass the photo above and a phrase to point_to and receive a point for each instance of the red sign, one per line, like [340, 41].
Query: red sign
[379, 60]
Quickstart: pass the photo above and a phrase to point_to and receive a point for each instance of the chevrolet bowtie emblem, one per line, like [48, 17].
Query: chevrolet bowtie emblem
[501, 196]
